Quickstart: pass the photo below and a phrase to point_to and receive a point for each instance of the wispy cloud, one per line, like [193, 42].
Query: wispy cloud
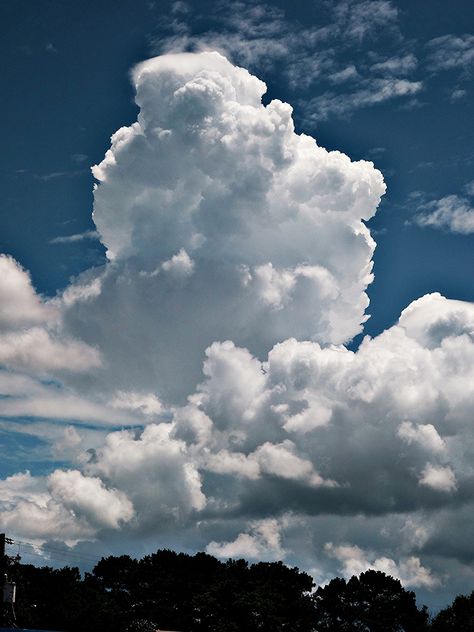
[79, 158]
[399, 65]
[55, 175]
[71, 239]
[262, 37]
[451, 52]
[452, 212]
[374, 91]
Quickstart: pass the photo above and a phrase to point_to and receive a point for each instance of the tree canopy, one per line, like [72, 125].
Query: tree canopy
[198, 593]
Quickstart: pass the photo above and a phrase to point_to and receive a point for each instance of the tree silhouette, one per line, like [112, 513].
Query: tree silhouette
[198, 593]
[371, 602]
[458, 617]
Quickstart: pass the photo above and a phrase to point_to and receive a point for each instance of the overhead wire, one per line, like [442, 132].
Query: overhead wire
[51, 551]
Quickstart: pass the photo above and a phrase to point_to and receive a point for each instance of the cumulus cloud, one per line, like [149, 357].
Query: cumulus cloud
[87, 497]
[409, 571]
[238, 262]
[425, 435]
[262, 542]
[19, 304]
[30, 337]
[220, 222]
[155, 472]
[231, 451]
[440, 478]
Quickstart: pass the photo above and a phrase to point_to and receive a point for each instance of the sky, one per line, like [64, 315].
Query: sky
[236, 299]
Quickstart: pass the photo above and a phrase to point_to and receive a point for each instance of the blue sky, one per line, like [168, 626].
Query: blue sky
[190, 259]
[67, 74]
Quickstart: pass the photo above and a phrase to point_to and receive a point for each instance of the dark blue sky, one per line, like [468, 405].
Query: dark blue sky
[66, 90]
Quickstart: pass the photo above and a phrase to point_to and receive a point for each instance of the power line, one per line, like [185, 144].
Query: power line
[53, 551]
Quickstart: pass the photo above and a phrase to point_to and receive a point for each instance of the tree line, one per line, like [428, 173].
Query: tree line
[198, 593]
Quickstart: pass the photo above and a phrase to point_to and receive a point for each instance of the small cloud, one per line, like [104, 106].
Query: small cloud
[452, 212]
[376, 151]
[71, 239]
[50, 48]
[79, 159]
[180, 7]
[402, 65]
[348, 73]
[469, 188]
[54, 175]
[179, 266]
[370, 92]
[262, 541]
[439, 478]
[355, 561]
[450, 52]
[425, 435]
[424, 164]
[458, 94]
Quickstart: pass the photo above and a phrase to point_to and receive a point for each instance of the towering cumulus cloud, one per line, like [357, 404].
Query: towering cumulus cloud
[221, 222]
[238, 261]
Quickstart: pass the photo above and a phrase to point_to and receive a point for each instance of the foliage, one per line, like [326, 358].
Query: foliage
[373, 601]
[175, 591]
[458, 617]
[141, 625]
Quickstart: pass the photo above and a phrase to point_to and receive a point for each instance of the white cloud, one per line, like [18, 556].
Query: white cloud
[451, 51]
[19, 304]
[238, 265]
[469, 188]
[35, 349]
[399, 65]
[425, 435]
[146, 403]
[263, 37]
[71, 239]
[211, 206]
[439, 478]
[367, 93]
[154, 470]
[263, 542]
[87, 497]
[180, 264]
[30, 333]
[355, 560]
[281, 460]
[452, 212]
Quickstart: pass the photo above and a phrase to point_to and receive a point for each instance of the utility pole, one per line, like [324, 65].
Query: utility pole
[2, 576]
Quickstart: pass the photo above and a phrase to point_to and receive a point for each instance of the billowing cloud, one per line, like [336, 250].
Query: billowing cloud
[355, 561]
[19, 304]
[262, 542]
[212, 341]
[220, 222]
[441, 478]
[30, 335]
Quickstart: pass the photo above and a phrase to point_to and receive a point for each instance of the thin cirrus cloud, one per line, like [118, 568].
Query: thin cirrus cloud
[238, 263]
[74, 238]
[261, 37]
[451, 52]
